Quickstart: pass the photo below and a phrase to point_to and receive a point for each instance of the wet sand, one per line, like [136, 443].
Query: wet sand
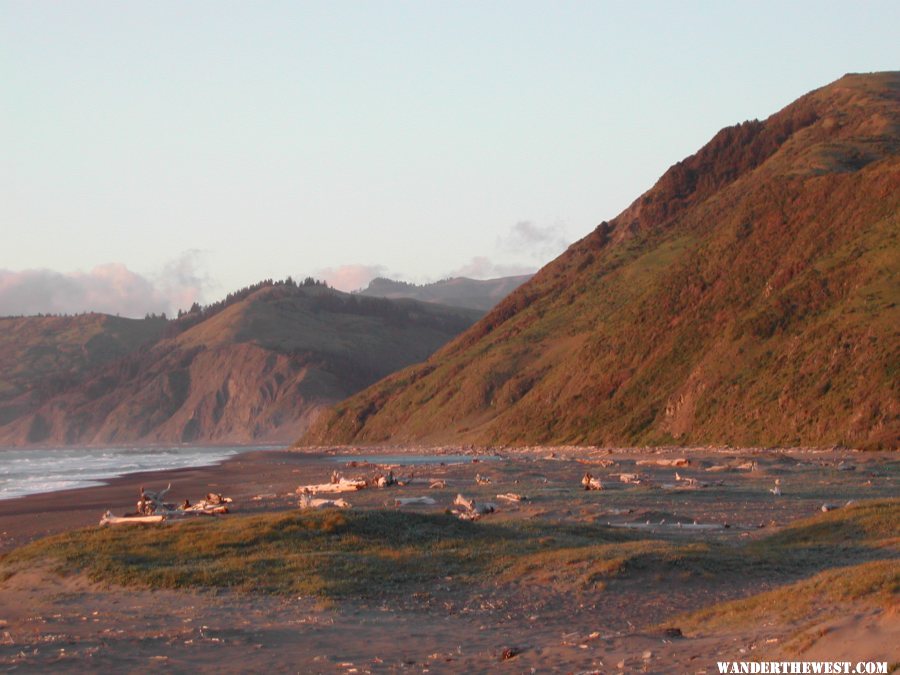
[241, 477]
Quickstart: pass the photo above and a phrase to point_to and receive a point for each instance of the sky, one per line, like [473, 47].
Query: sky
[153, 154]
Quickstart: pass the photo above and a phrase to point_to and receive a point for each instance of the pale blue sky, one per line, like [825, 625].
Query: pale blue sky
[235, 141]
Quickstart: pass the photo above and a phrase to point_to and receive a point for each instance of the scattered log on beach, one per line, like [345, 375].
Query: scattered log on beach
[410, 501]
[482, 480]
[590, 482]
[469, 509]
[687, 480]
[337, 484]
[151, 502]
[678, 526]
[109, 519]
[603, 463]
[307, 501]
[680, 461]
[385, 481]
[438, 484]
[513, 497]
[630, 478]
[152, 509]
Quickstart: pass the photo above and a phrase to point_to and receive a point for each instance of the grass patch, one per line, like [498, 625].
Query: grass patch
[377, 553]
[329, 554]
[876, 583]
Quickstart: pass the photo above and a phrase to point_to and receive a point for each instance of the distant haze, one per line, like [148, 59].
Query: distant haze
[349, 140]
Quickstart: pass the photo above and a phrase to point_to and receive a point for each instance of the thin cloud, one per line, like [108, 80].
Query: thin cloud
[350, 277]
[111, 288]
[538, 242]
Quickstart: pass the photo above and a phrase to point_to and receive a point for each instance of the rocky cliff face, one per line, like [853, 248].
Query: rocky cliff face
[750, 297]
[257, 370]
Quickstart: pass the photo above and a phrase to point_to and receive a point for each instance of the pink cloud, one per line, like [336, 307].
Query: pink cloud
[111, 288]
[350, 277]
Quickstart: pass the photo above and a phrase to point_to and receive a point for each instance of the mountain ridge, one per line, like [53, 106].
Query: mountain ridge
[715, 308]
[482, 294]
[257, 367]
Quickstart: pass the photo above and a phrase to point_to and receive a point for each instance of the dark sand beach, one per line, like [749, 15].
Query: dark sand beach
[241, 477]
[544, 620]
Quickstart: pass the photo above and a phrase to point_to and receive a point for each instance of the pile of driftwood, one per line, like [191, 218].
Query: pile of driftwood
[469, 509]
[153, 508]
[338, 484]
[590, 482]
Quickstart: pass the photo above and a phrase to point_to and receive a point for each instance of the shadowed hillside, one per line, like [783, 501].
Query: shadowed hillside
[257, 366]
[481, 294]
[750, 297]
[41, 355]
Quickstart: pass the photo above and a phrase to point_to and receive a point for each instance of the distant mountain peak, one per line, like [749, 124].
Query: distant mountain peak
[481, 294]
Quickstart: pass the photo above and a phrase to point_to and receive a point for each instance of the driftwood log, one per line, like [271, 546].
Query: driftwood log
[680, 461]
[469, 509]
[411, 501]
[589, 482]
[337, 484]
[151, 502]
[307, 501]
[109, 519]
[512, 497]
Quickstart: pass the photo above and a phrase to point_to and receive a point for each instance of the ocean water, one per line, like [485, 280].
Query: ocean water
[25, 472]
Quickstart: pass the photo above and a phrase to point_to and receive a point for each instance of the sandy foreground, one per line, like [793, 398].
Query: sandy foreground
[72, 623]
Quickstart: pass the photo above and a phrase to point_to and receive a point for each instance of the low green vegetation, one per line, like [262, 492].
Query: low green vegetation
[876, 582]
[387, 553]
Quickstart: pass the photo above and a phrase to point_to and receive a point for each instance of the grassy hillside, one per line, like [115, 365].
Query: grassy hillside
[259, 367]
[750, 297]
[41, 355]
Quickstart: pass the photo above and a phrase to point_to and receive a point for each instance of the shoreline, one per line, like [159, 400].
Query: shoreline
[240, 476]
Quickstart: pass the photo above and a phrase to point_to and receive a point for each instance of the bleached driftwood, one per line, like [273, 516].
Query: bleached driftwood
[589, 482]
[409, 501]
[715, 468]
[680, 461]
[513, 497]
[109, 519]
[438, 484]
[632, 478]
[603, 463]
[341, 484]
[687, 480]
[307, 501]
[151, 502]
[482, 480]
[469, 509]
[677, 526]
[385, 481]
[204, 509]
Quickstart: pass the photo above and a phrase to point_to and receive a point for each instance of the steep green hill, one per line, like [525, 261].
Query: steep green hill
[257, 367]
[750, 297]
[41, 355]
